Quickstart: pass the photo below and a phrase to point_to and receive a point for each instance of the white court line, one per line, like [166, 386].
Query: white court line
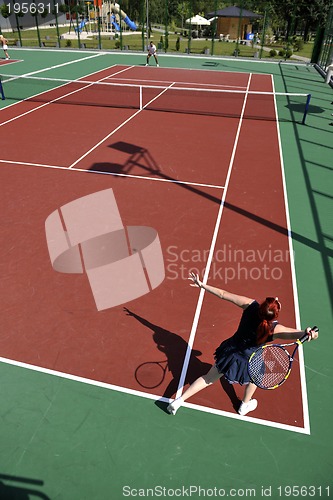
[58, 98]
[306, 429]
[146, 395]
[119, 127]
[165, 82]
[50, 68]
[267, 423]
[305, 405]
[211, 253]
[114, 174]
[61, 65]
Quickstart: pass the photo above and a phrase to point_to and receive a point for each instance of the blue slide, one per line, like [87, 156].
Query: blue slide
[116, 8]
[114, 23]
[130, 23]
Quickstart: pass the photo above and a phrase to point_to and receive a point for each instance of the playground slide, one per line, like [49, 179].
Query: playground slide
[114, 23]
[115, 7]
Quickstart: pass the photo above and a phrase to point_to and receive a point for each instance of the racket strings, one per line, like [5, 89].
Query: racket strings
[269, 366]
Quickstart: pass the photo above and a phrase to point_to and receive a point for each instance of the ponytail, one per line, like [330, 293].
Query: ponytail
[268, 312]
[263, 331]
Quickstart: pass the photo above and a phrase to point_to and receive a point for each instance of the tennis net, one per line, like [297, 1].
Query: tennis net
[174, 98]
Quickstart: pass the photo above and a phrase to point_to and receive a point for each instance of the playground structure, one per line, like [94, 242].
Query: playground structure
[108, 14]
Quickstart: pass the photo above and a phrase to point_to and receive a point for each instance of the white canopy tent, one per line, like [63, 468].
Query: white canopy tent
[198, 21]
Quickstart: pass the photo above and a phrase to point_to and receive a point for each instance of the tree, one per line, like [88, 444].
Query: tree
[298, 16]
[5, 11]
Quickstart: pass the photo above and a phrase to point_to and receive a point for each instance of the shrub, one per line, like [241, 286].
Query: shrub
[68, 43]
[178, 44]
[272, 53]
[298, 44]
[173, 26]
[282, 52]
[289, 53]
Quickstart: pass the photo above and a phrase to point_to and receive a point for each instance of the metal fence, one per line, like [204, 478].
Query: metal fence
[233, 31]
[326, 54]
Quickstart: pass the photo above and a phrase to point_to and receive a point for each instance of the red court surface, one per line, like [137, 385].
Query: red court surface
[4, 62]
[51, 319]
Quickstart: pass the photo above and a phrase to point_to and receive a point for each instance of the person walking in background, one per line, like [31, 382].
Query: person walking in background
[4, 43]
[152, 52]
[257, 326]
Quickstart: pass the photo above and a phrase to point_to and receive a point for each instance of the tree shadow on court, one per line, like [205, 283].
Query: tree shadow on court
[174, 348]
[320, 245]
[139, 157]
[25, 491]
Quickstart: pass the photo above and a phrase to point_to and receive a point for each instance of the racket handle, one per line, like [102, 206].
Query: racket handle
[306, 335]
[304, 338]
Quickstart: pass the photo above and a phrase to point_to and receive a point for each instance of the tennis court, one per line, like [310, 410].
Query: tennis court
[216, 165]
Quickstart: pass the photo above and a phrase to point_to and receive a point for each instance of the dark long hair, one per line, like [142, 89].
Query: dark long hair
[268, 312]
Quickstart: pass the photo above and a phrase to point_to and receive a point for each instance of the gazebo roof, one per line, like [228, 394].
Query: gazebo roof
[233, 12]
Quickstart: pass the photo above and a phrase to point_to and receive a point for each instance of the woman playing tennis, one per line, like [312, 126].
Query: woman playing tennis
[257, 326]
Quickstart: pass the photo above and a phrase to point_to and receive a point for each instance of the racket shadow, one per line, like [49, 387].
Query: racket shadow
[174, 348]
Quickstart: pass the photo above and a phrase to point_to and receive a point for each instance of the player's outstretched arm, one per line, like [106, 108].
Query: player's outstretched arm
[286, 333]
[238, 300]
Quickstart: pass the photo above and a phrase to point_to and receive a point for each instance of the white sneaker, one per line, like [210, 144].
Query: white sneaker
[245, 408]
[174, 406]
[146, 64]
[157, 65]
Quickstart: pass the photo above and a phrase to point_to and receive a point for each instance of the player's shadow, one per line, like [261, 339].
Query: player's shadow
[174, 347]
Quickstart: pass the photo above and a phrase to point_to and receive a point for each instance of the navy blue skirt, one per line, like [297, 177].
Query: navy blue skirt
[231, 360]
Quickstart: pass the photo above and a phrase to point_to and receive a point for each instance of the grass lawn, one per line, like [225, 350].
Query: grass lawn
[134, 41]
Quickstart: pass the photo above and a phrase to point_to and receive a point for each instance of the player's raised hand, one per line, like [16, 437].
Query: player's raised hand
[312, 333]
[195, 280]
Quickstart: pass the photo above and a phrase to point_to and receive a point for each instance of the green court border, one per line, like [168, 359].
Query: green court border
[70, 441]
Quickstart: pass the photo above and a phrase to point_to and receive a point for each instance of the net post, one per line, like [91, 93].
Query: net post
[307, 105]
[3, 97]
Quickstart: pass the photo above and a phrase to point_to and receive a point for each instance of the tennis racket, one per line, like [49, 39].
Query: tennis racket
[151, 374]
[270, 365]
